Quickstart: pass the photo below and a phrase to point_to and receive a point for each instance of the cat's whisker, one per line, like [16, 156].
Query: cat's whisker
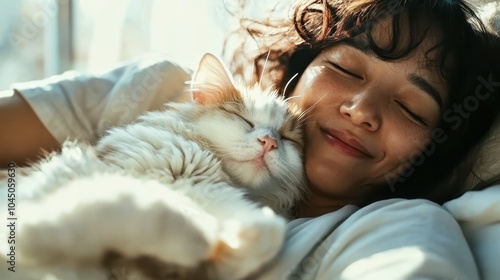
[270, 88]
[264, 67]
[308, 122]
[296, 181]
[193, 84]
[315, 103]
[306, 116]
[252, 73]
[291, 97]
[303, 115]
[288, 83]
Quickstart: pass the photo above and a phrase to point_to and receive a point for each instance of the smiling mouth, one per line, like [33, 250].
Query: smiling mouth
[345, 145]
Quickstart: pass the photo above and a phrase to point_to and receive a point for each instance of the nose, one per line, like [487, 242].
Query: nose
[268, 143]
[362, 111]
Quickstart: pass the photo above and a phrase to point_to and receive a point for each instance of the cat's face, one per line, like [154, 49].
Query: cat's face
[257, 135]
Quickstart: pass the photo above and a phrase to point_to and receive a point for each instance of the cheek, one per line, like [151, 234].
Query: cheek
[404, 149]
[310, 88]
[329, 174]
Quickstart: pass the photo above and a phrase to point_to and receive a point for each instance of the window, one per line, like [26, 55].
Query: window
[40, 38]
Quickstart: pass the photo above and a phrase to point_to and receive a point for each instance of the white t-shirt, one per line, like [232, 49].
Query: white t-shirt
[81, 106]
[392, 239]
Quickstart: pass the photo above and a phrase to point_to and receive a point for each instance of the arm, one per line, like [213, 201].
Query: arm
[23, 134]
[43, 114]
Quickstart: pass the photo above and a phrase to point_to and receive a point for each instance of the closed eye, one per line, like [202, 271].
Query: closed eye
[414, 116]
[345, 71]
[285, 138]
[251, 124]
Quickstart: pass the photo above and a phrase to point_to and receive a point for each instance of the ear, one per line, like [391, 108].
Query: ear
[211, 78]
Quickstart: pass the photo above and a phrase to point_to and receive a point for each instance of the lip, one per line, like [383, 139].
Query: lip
[260, 162]
[346, 144]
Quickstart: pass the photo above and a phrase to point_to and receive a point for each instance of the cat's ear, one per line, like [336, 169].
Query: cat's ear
[210, 79]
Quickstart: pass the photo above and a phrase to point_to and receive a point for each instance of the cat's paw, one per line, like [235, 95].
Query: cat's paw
[178, 233]
[133, 216]
[248, 244]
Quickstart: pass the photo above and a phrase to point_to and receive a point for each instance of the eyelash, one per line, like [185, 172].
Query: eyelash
[412, 115]
[251, 124]
[284, 138]
[345, 71]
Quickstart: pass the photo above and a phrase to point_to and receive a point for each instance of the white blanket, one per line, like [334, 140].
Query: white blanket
[392, 239]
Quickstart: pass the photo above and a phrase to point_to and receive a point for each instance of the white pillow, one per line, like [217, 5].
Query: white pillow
[478, 213]
[490, 14]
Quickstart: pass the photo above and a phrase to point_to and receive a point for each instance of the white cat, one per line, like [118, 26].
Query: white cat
[193, 183]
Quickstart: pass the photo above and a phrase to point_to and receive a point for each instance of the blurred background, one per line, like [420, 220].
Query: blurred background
[40, 38]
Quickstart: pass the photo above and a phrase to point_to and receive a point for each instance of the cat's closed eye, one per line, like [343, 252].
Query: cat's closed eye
[290, 131]
[239, 115]
[251, 124]
[286, 138]
[290, 138]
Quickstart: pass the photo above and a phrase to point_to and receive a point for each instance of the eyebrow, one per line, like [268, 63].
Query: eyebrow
[426, 87]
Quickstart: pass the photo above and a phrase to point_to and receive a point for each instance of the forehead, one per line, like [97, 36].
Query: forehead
[396, 40]
[385, 30]
[265, 106]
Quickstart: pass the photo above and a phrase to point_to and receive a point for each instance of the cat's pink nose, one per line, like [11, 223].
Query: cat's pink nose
[268, 143]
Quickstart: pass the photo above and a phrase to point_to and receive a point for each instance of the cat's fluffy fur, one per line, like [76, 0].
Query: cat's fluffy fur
[192, 184]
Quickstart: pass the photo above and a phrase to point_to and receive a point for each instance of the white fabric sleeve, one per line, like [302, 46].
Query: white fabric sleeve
[391, 239]
[82, 106]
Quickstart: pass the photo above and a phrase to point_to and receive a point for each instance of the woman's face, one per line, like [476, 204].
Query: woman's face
[366, 118]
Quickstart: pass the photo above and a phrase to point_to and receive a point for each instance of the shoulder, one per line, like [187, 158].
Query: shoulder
[402, 210]
[401, 239]
[391, 239]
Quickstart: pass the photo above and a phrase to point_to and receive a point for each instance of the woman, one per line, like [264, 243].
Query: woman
[423, 123]
[383, 82]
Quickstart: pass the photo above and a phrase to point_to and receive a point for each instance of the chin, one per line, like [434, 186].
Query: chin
[248, 174]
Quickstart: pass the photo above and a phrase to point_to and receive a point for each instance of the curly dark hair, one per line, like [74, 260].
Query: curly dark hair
[467, 57]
